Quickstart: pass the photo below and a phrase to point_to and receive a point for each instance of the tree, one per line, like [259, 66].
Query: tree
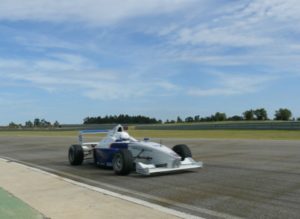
[179, 120]
[235, 118]
[36, 122]
[44, 123]
[249, 115]
[298, 119]
[261, 114]
[56, 124]
[189, 119]
[12, 125]
[123, 119]
[207, 118]
[197, 118]
[283, 114]
[28, 124]
[219, 116]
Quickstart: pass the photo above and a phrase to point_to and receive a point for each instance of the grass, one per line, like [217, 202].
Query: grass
[225, 134]
[12, 207]
[222, 122]
[38, 133]
[221, 134]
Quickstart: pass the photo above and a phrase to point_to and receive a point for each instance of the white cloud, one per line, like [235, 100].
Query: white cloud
[284, 10]
[234, 84]
[253, 27]
[167, 85]
[96, 12]
[229, 36]
[39, 41]
[258, 25]
[260, 33]
[74, 73]
[212, 92]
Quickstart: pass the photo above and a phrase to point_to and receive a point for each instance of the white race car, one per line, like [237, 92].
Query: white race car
[124, 154]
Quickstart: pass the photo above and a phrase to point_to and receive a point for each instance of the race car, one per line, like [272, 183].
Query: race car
[125, 154]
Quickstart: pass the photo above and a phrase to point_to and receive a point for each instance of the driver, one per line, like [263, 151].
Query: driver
[123, 136]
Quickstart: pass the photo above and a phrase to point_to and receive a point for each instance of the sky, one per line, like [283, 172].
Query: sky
[66, 60]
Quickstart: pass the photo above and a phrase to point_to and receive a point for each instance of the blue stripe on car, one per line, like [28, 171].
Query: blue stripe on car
[104, 156]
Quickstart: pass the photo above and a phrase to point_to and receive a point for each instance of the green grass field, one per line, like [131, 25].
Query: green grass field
[38, 133]
[225, 134]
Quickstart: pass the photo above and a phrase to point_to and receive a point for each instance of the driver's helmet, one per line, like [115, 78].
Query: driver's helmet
[123, 136]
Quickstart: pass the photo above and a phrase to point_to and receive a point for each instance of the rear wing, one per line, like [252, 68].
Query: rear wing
[84, 132]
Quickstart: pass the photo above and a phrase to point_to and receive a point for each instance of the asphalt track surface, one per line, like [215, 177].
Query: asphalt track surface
[240, 179]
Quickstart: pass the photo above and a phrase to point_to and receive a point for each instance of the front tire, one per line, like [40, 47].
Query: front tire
[182, 150]
[75, 155]
[123, 162]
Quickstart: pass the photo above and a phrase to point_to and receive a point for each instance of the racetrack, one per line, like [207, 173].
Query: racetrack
[241, 178]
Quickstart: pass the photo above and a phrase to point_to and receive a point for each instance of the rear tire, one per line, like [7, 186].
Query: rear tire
[75, 155]
[182, 150]
[95, 157]
[122, 162]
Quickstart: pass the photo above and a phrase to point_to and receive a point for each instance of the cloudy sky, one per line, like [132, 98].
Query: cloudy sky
[65, 60]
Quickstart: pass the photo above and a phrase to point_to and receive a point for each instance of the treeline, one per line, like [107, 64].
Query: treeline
[36, 123]
[122, 119]
[249, 115]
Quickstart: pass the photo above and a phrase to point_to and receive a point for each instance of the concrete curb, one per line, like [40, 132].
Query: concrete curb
[165, 211]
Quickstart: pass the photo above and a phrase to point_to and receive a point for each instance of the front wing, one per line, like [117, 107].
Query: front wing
[186, 164]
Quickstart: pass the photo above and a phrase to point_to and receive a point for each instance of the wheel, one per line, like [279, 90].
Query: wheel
[94, 156]
[122, 162]
[182, 150]
[76, 155]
